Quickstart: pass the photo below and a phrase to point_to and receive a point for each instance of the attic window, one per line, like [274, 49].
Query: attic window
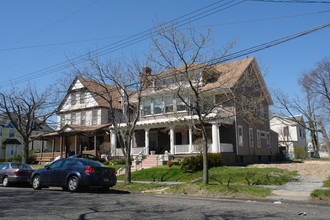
[73, 98]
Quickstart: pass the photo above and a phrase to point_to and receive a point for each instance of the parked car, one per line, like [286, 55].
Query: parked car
[11, 173]
[87, 156]
[73, 174]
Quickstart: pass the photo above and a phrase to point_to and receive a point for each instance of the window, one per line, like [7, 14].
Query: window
[258, 138]
[268, 140]
[82, 98]
[168, 104]
[158, 106]
[73, 119]
[180, 105]
[208, 104]
[94, 117]
[83, 118]
[73, 98]
[146, 108]
[0, 131]
[286, 131]
[240, 135]
[251, 141]
[62, 121]
[11, 132]
[261, 111]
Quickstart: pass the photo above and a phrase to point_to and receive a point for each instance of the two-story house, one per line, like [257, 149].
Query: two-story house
[11, 140]
[82, 121]
[166, 124]
[291, 133]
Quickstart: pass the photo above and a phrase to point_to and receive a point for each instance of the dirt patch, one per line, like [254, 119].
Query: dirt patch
[309, 168]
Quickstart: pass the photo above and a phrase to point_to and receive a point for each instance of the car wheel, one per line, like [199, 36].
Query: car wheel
[5, 181]
[73, 184]
[36, 182]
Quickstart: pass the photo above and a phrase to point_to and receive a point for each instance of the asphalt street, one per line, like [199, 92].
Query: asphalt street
[53, 203]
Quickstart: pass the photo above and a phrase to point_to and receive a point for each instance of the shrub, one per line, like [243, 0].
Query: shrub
[195, 163]
[299, 152]
[18, 158]
[15, 158]
[170, 163]
[117, 161]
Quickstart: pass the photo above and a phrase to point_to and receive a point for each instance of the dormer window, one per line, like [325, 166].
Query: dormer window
[73, 98]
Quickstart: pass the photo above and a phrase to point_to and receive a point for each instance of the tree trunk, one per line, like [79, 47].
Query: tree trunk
[325, 138]
[25, 155]
[205, 161]
[128, 165]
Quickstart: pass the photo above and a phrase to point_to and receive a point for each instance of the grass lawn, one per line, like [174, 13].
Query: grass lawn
[38, 166]
[224, 181]
[217, 175]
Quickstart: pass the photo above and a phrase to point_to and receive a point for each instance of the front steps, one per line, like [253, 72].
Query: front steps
[147, 162]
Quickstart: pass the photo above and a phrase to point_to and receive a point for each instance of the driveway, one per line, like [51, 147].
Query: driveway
[312, 174]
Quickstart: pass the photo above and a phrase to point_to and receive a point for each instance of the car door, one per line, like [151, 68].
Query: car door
[48, 177]
[61, 172]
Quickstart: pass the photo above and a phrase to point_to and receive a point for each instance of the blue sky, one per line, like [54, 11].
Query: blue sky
[27, 25]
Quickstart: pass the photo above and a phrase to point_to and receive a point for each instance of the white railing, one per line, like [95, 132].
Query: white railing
[184, 149]
[138, 150]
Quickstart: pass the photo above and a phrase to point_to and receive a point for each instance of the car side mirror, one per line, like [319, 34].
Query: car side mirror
[47, 167]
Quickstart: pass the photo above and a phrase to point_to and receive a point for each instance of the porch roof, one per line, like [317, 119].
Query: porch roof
[69, 130]
[181, 120]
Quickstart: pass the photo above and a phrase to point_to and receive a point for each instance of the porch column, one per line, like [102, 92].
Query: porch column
[76, 144]
[190, 140]
[113, 140]
[53, 148]
[172, 144]
[61, 147]
[146, 140]
[215, 139]
[42, 148]
[95, 150]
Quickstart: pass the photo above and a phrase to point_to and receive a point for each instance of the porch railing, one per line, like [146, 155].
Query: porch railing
[184, 149]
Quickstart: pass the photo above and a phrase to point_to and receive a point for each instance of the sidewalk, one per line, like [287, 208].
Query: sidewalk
[299, 190]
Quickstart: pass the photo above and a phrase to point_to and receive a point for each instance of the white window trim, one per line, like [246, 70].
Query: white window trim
[251, 137]
[240, 137]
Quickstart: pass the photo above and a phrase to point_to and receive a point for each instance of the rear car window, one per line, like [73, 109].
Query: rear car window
[92, 163]
[21, 166]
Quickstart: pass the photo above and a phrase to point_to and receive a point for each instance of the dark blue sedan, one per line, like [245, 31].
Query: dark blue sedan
[74, 174]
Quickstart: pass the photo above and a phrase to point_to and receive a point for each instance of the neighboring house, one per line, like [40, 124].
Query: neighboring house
[11, 140]
[82, 121]
[164, 126]
[290, 133]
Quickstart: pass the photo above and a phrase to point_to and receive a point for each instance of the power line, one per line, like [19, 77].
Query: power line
[120, 36]
[192, 16]
[292, 1]
[56, 22]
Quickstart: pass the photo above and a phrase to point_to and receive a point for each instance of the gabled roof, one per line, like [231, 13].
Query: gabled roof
[100, 92]
[229, 74]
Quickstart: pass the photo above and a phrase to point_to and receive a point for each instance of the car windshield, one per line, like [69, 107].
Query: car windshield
[21, 166]
[92, 163]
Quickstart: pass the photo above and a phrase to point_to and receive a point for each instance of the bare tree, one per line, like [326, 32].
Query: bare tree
[315, 105]
[27, 109]
[121, 85]
[187, 58]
